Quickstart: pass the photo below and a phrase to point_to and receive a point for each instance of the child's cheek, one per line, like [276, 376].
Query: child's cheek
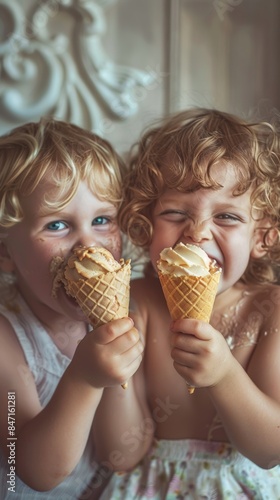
[113, 244]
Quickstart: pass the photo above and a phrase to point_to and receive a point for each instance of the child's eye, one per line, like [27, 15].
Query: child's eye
[228, 217]
[56, 225]
[174, 215]
[101, 220]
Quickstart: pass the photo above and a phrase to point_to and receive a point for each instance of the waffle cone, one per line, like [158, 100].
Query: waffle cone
[103, 298]
[190, 296]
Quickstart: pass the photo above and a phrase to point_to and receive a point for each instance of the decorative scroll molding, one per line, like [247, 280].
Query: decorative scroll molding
[66, 75]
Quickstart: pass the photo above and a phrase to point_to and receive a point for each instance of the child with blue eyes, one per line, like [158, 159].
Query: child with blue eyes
[60, 187]
[209, 179]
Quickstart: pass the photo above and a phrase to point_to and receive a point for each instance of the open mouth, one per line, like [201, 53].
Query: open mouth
[216, 260]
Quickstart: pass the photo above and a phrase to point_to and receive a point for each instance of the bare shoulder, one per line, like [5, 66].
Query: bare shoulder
[15, 378]
[10, 348]
[264, 301]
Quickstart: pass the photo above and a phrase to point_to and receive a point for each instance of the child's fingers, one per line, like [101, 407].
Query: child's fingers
[197, 328]
[126, 341]
[183, 358]
[123, 365]
[184, 341]
[112, 363]
[132, 360]
[186, 373]
[111, 331]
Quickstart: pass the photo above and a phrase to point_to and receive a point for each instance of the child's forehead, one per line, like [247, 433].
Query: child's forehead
[46, 189]
[222, 171]
[207, 174]
[48, 199]
[48, 195]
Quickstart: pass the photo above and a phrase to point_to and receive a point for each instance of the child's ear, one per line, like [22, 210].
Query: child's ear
[259, 248]
[6, 262]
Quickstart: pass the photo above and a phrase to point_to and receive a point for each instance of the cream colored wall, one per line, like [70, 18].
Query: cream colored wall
[114, 66]
[226, 55]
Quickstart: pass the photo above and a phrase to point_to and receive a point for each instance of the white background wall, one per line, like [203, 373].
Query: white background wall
[114, 66]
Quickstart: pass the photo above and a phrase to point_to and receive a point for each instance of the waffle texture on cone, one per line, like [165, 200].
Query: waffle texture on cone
[189, 296]
[100, 285]
[189, 280]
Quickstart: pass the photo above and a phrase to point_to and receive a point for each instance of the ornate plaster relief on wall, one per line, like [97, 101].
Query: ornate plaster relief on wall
[53, 63]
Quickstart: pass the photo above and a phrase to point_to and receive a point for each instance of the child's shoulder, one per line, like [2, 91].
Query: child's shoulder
[10, 347]
[265, 301]
[264, 297]
[247, 310]
[256, 293]
[11, 358]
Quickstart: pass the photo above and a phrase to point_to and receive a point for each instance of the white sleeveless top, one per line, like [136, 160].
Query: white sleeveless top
[47, 364]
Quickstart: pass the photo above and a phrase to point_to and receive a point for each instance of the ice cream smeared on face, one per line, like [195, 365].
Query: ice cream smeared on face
[186, 260]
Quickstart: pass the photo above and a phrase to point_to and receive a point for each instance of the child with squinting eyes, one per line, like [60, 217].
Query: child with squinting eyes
[210, 179]
[60, 187]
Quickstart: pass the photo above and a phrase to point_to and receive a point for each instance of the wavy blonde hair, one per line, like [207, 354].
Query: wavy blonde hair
[62, 151]
[188, 144]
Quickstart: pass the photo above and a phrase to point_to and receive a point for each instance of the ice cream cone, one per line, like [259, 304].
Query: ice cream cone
[190, 297]
[104, 297]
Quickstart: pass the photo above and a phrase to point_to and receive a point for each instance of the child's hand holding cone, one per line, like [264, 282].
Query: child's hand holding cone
[189, 280]
[99, 284]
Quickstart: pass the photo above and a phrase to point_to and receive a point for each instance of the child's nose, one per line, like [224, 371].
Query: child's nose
[85, 239]
[197, 232]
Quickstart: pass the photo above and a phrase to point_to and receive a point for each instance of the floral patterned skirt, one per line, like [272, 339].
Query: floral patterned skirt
[194, 470]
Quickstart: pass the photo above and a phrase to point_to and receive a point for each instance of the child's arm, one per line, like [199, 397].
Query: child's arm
[123, 426]
[251, 415]
[50, 441]
[248, 403]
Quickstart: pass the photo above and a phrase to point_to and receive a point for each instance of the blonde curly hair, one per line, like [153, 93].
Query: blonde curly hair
[188, 144]
[63, 151]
